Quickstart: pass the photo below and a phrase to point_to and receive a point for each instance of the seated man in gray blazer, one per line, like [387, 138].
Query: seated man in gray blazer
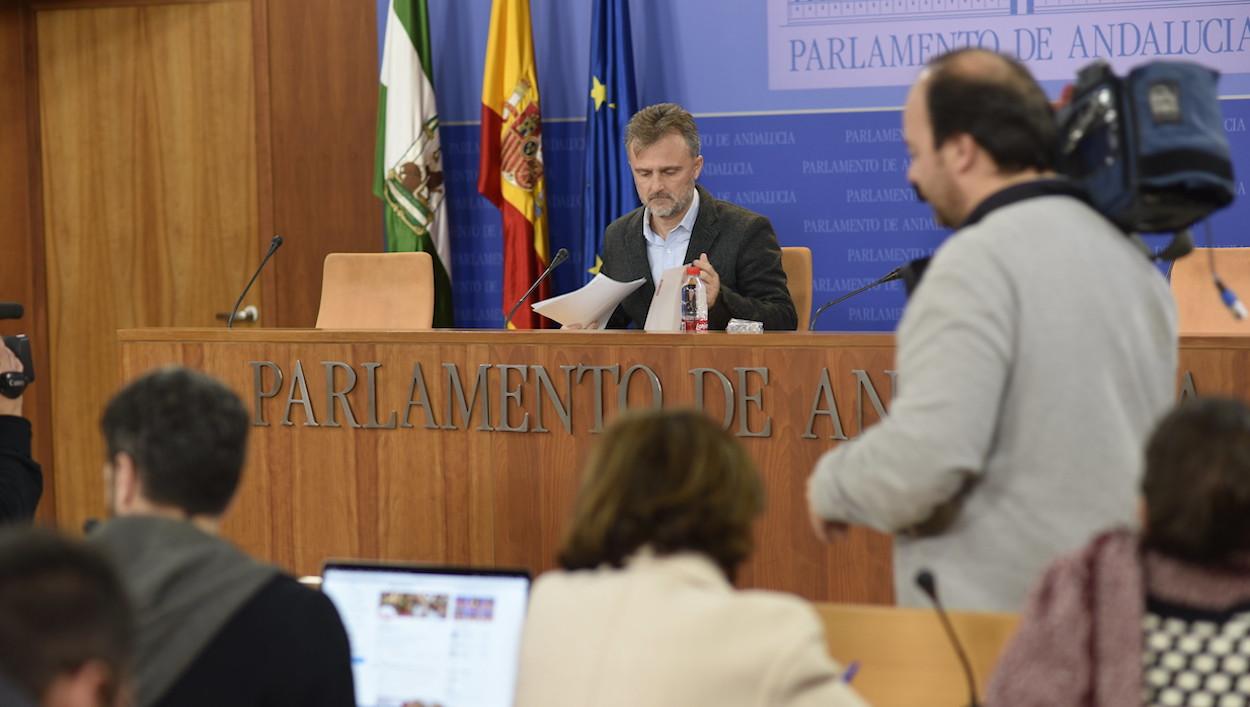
[680, 222]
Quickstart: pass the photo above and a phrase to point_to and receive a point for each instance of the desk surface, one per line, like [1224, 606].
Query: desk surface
[905, 658]
[799, 339]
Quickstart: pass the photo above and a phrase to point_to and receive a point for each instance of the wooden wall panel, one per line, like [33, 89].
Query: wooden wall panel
[321, 111]
[149, 195]
[21, 244]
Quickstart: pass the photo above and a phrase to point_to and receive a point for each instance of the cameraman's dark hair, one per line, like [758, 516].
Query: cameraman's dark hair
[61, 606]
[671, 480]
[1197, 482]
[994, 99]
[187, 433]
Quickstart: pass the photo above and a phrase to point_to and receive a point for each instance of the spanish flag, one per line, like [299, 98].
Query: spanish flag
[511, 168]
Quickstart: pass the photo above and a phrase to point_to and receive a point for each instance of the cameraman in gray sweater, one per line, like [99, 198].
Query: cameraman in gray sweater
[1033, 359]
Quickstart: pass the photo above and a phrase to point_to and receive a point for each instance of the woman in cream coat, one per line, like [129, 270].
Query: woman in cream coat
[644, 612]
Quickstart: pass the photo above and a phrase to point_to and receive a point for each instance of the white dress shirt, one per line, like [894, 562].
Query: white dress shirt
[664, 253]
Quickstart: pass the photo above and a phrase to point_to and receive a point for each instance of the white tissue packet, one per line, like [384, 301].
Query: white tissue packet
[744, 326]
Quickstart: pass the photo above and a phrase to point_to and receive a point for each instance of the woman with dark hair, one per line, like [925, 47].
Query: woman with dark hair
[643, 611]
[1160, 617]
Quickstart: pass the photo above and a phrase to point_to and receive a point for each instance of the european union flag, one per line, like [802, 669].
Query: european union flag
[609, 184]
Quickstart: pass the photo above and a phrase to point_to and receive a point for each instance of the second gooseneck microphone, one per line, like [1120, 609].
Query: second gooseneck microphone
[560, 256]
[928, 584]
[274, 245]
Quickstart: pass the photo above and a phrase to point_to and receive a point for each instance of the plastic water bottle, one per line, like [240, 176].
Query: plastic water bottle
[693, 302]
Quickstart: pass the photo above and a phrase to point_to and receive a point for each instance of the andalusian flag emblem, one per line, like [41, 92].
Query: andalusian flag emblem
[510, 172]
[408, 162]
[414, 186]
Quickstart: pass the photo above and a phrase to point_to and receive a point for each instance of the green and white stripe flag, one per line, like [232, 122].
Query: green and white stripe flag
[408, 164]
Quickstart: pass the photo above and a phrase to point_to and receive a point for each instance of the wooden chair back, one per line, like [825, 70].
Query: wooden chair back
[797, 262]
[377, 291]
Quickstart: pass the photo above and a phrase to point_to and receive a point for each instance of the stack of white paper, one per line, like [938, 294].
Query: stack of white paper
[665, 311]
[591, 306]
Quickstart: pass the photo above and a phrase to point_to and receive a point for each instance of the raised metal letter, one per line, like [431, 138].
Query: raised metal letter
[744, 411]
[333, 394]
[456, 388]
[514, 394]
[371, 375]
[597, 376]
[259, 395]
[417, 387]
[657, 391]
[824, 391]
[543, 382]
[864, 384]
[1188, 389]
[726, 387]
[297, 380]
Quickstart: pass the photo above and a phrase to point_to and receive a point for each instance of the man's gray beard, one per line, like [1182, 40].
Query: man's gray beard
[679, 207]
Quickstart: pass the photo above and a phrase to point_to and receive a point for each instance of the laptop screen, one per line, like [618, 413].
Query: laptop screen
[430, 635]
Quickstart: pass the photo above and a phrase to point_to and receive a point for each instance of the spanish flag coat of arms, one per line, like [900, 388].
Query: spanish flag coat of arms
[511, 168]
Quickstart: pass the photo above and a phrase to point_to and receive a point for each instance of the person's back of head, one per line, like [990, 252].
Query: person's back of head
[975, 123]
[176, 440]
[1197, 482]
[66, 632]
[672, 481]
[994, 99]
[215, 626]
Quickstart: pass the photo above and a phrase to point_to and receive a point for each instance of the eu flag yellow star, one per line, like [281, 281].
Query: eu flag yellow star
[598, 266]
[598, 91]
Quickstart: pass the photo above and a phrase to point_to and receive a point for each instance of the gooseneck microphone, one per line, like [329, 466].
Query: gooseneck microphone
[274, 245]
[928, 584]
[560, 256]
[891, 276]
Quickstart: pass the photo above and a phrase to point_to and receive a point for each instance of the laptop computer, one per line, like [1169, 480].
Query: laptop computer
[447, 636]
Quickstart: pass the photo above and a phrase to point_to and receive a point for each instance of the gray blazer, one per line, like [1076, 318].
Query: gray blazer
[739, 243]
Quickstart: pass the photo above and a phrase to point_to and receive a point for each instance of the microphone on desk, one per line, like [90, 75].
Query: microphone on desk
[928, 584]
[560, 256]
[274, 245]
[891, 276]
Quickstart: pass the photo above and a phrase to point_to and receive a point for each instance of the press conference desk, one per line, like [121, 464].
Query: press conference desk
[465, 446]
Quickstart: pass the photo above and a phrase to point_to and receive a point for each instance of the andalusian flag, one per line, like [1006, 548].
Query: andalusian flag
[610, 191]
[408, 162]
[511, 170]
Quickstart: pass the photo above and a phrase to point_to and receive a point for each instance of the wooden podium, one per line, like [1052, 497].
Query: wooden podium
[466, 447]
